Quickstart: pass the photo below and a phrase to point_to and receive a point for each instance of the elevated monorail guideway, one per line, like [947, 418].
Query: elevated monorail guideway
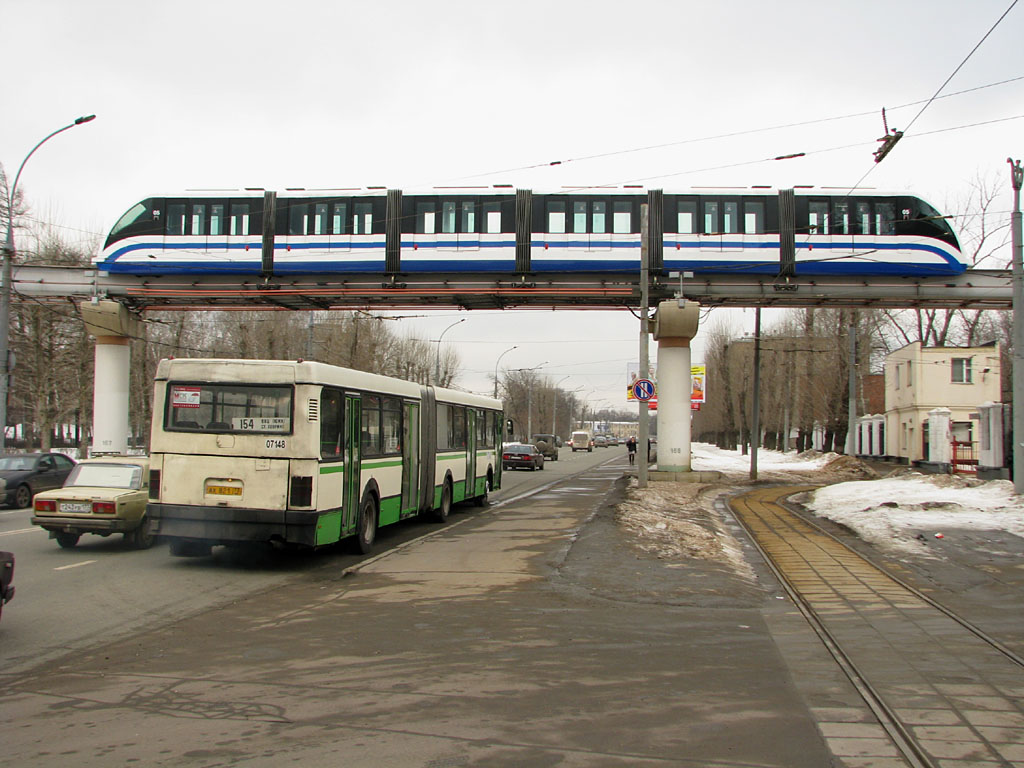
[972, 289]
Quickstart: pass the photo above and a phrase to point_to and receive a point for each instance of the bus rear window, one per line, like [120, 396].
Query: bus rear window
[228, 408]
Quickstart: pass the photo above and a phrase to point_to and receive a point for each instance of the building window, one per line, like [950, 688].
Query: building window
[896, 375]
[961, 370]
[910, 375]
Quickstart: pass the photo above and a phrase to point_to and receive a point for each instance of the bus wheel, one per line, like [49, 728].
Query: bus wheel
[367, 530]
[481, 500]
[441, 513]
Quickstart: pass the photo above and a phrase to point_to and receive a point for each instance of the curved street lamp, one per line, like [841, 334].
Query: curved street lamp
[6, 277]
[437, 362]
[496, 368]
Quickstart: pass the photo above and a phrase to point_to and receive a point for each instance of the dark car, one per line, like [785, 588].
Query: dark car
[516, 455]
[23, 475]
[6, 577]
[548, 445]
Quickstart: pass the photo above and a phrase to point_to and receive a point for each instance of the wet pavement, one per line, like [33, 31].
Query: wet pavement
[527, 634]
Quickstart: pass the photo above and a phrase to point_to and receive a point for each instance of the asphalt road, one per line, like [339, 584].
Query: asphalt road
[69, 599]
[527, 633]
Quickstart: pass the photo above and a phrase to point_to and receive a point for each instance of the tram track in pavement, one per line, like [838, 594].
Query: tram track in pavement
[946, 694]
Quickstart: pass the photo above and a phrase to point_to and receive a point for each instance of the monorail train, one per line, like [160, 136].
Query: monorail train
[802, 231]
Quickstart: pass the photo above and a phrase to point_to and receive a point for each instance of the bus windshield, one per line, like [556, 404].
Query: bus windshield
[228, 408]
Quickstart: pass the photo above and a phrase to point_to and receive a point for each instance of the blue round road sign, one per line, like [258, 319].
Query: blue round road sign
[643, 389]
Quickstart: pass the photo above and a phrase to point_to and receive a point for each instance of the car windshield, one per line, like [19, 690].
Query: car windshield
[519, 449]
[128, 476]
[17, 462]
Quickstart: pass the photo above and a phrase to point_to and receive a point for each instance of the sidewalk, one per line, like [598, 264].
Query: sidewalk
[530, 634]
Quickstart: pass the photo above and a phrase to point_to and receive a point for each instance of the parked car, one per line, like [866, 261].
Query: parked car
[521, 455]
[6, 579]
[546, 444]
[103, 496]
[23, 475]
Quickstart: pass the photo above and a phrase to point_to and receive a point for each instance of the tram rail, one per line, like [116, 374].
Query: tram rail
[944, 691]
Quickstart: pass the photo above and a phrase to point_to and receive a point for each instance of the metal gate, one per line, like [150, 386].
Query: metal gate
[965, 458]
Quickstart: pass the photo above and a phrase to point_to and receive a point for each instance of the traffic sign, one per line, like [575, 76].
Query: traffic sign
[643, 389]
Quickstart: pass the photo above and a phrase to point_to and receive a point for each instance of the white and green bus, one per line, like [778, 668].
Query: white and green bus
[303, 454]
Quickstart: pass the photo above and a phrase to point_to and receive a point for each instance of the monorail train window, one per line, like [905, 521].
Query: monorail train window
[686, 217]
[885, 218]
[818, 217]
[298, 213]
[492, 218]
[141, 219]
[217, 218]
[753, 217]
[320, 218]
[599, 217]
[362, 219]
[448, 217]
[467, 222]
[841, 217]
[862, 219]
[425, 218]
[175, 221]
[239, 218]
[730, 217]
[622, 217]
[198, 219]
[555, 217]
[579, 216]
[711, 225]
[339, 215]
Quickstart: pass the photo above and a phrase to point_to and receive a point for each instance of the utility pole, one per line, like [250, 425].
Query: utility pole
[1016, 177]
[851, 414]
[755, 417]
[644, 426]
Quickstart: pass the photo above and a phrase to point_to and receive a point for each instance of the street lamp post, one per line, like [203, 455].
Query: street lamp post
[6, 278]
[437, 362]
[554, 404]
[496, 368]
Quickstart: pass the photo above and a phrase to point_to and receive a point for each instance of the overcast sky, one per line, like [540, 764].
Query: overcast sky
[320, 93]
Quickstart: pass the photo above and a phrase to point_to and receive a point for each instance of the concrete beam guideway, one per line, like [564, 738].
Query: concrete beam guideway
[113, 328]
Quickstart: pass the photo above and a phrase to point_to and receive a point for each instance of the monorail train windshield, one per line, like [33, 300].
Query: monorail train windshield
[519, 231]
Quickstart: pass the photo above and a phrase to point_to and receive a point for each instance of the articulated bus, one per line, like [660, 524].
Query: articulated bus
[303, 454]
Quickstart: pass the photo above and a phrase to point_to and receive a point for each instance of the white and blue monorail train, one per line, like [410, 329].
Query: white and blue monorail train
[803, 231]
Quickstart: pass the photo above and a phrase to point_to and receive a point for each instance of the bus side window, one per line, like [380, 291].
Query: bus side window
[332, 425]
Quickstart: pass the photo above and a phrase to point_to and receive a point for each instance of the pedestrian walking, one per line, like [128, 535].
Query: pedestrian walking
[631, 449]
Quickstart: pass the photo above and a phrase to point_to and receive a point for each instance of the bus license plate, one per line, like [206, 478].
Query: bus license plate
[224, 490]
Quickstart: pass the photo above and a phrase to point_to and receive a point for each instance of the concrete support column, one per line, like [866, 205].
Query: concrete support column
[110, 425]
[878, 444]
[113, 328]
[674, 384]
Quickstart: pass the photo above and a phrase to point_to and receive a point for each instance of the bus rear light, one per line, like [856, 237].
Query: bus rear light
[45, 505]
[301, 494]
[104, 507]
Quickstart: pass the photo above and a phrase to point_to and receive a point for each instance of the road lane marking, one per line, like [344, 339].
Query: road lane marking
[20, 530]
[75, 565]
